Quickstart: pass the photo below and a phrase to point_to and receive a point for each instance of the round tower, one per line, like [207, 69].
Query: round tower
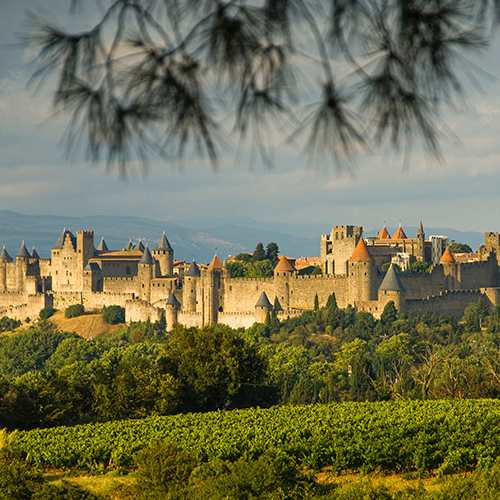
[189, 294]
[211, 289]
[145, 273]
[171, 311]
[283, 272]
[362, 277]
[262, 307]
[450, 269]
[22, 259]
[4, 259]
[391, 288]
[164, 255]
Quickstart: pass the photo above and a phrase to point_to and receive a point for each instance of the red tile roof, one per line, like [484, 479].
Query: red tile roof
[399, 234]
[384, 234]
[447, 256]
[361, 253]
[215, 264]
[284, 265]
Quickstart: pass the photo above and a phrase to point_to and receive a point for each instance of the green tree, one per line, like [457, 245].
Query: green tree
[74, 311]
[29, 350]
[389, 314]
[420, 266]
[164, 470]
[387, 265]
[272, 252]
[217, 368]
[113, 314]
[47, 312]
[475, 315]
[456, 247]
[236, 268]
[259, 253]
[260, 269]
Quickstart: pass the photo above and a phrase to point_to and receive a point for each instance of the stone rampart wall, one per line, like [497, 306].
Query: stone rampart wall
[241, 294]
[419, 285]
[452, 303]
[140, 310]
[120, 285]
[304, 288]
[190, 319]
[474, 275]
[30, 309]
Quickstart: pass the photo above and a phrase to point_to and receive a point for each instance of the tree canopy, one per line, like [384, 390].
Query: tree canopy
[174, 76]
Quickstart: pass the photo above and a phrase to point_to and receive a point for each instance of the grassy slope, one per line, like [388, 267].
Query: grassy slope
[88, 326]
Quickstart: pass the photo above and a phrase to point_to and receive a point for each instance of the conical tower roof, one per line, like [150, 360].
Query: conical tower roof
[391, 282]
[146, 257]
[284, 264]
[361, 253]
[34, 254]
[5, 256]
[399, 234]
[215, 264]
[277, 305]
[384, 234]
[163, 244]
[139, 246]
[447, 256]
[172, 300]
[60, 241]
[194, 270]
[102, 247]
[23, 252]
[263, 301]
[420, 232]
[129, 246]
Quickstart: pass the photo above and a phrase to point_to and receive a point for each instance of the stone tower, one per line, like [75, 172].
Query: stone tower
[337, 247]
[262, 307]
[145, 273]
[4, 259]
[22, 260]
[211, 289]
[450, 269]
[283, 272]
[191, 284]
[171, 310]
[391, 288]
[362, 275]
[164, 255]
[84, 252]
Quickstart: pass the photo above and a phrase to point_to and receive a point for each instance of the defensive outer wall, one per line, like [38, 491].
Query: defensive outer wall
[143, 281]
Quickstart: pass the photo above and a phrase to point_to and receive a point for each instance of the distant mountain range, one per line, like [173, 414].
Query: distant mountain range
[197, 238]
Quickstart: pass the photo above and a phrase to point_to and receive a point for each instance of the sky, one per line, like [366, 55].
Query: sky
[36, 177]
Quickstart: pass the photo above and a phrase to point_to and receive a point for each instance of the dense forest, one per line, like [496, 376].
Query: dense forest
[328, 355]
[50, 378]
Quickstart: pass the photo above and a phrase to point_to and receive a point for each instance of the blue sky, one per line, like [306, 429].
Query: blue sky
[35, 177]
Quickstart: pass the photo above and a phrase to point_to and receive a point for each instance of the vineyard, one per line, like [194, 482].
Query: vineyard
[445, 435]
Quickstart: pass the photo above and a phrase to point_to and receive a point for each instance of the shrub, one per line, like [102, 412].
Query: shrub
[7, 324]
[74, 311]
[64, 491]
[47, 312]
[164, 469]
[113, 314]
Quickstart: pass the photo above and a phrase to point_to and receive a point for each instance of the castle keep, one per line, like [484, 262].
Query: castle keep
[143, 280]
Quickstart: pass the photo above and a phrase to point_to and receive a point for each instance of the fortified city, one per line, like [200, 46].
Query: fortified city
[145, 283]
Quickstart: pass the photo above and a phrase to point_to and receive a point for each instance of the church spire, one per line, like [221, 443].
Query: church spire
[420, 233]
